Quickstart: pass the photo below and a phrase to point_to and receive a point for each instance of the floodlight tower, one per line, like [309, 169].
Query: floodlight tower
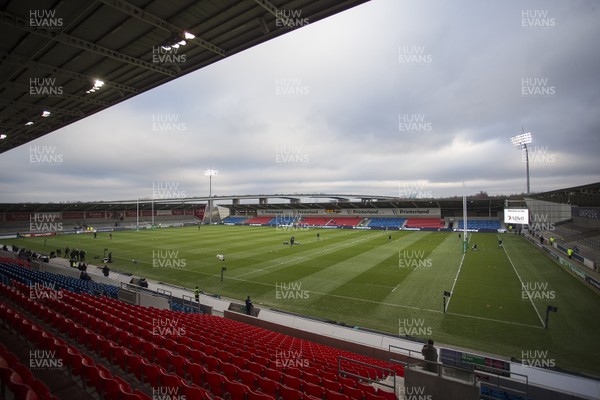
[521, 141]
[210, 173]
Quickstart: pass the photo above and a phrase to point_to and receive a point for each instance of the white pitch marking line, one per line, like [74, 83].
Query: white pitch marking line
[522, 286]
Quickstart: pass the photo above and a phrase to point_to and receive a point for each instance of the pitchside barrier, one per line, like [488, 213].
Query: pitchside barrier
[565, 263]
[135, 294]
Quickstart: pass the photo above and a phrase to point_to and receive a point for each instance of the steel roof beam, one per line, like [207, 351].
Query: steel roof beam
[158, 22]
[38, 66]
[73, 41]
[24, 104]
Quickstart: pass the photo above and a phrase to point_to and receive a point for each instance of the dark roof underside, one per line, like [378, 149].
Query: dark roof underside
[52, 52]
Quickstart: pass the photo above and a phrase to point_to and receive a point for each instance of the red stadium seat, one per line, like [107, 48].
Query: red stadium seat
[150, 374]
[268, 386]
[193, 392]
[273, 374]
[195, 373]
[248, 378]
[289, 393]
[373, 396]
[252, 395]
[235, 390]
[313, 390]
[215, 382]
[352, 392]
[256, 368]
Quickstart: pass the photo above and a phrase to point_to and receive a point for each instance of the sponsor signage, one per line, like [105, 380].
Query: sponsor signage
[586, 212]
[358, 212]
[516, 216]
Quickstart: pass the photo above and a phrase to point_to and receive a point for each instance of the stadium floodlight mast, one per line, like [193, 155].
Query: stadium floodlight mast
[210, 173]
[521, 141]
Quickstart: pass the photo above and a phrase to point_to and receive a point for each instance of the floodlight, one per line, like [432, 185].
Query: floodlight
[166, 47]
[2, 136]
[522, 139]
[28, 123]
[210, 173]
[99, 83]
[188, 35]
[46, 114]
[182, 43]
[175, 46]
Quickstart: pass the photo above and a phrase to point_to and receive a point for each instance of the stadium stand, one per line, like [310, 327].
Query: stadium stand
[570, 235]
[345, 221]
[479, 224]
[315, 221]
[154, 348]
[424, 223]
[258, 221]
[283, 220]
[14, 270]
[386, 222]
[234, 220]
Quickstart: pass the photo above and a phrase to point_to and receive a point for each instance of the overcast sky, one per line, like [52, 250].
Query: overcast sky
[392, 97]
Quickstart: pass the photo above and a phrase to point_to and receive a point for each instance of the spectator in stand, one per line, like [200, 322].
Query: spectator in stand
[197, 294]
[105, 270]
[84, 276]
[431, 356]
[249, 306]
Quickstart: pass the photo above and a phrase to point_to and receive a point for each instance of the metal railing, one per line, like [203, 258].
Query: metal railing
[391, 372]
[490, 377]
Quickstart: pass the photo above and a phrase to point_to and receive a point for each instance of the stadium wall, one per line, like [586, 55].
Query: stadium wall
[545, 212]
[586, 216]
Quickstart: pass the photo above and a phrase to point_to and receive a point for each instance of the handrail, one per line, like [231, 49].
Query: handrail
[391, 372]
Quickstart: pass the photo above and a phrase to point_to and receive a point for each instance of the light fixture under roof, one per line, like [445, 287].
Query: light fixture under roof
[28, 123]
[46, 114]
[2, 136]
[97, 85]
[177, 40]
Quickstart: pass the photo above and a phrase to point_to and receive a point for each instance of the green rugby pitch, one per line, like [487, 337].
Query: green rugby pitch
[364, 279]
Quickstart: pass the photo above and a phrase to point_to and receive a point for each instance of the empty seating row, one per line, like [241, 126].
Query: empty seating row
[258, 221]
[18, 379]
[36, 278]
[54, 352]
[425, 223]
[479, 224]
[234, 220]
[387, 222]
[220, 339]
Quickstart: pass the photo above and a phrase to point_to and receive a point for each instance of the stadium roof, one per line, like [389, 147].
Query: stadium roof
[54, 54]
[583, 196]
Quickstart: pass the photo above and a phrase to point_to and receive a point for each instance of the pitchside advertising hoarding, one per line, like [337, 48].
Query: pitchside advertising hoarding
[516, 216]
[357, 212]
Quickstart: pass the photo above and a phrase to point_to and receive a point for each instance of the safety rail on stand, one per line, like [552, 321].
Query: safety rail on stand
[489, 377]
[191, 303]
[348, 373]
